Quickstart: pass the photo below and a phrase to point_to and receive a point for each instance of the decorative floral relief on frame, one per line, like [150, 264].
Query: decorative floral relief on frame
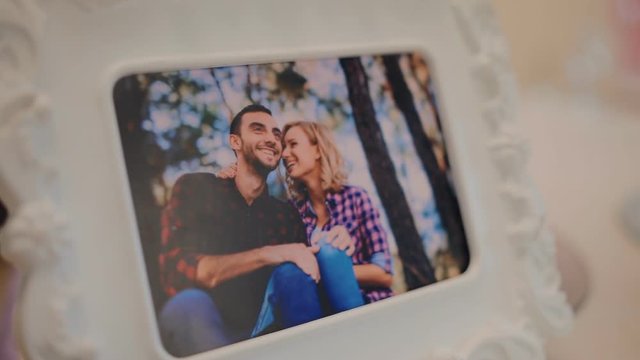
[532, 240]
[35, 239]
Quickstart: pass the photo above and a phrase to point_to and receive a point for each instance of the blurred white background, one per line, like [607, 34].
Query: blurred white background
[578, 65]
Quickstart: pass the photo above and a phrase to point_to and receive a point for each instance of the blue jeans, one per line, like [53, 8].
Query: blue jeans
[190, 322]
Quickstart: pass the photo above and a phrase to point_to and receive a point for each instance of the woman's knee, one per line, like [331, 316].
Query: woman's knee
[329, 254]
[295, 295]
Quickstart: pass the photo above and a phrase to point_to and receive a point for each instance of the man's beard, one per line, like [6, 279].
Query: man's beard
[256, 163]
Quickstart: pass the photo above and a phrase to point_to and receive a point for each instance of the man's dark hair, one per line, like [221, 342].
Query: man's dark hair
[234, 128]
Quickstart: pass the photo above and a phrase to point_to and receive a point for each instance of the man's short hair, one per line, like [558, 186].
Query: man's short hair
[234, 128]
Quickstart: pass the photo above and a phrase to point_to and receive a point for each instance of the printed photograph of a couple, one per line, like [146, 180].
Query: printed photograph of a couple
[271, 195]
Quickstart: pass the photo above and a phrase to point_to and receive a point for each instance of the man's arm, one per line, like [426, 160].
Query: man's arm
[215, 269]
[212, 270]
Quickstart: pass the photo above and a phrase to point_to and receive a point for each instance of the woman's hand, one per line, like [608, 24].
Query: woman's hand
[338, 237]
[228, 172]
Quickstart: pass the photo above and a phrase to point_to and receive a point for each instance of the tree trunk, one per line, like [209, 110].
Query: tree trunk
[417, 269]
[427, 89]
[445, 199]
[139, 153]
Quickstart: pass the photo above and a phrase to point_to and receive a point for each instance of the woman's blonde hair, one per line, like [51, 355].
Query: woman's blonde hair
[332, 173]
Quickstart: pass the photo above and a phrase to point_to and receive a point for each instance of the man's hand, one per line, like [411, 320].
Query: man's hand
[338, 237]
[228, 172]
[298, 254]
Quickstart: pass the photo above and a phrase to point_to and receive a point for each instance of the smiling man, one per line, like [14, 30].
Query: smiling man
[234, 261]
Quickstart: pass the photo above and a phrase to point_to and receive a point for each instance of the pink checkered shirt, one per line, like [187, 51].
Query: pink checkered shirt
[352, 208]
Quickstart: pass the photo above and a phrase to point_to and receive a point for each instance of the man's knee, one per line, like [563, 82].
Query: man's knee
[189, 302]
[190, 323]
[189, 310]
[290, 281]
[295, 295]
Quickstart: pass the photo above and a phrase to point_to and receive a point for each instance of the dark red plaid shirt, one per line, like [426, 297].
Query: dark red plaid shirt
[209, 216]
[352, 208]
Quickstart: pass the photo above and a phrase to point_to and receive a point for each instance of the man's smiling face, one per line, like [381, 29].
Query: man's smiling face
[261, 144]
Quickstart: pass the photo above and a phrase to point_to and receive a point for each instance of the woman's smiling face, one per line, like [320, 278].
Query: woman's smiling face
[300, 156]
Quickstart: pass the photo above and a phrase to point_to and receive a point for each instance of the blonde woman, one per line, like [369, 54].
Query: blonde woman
[331, 209]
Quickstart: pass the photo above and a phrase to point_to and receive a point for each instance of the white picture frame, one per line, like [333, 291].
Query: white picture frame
[72, 231]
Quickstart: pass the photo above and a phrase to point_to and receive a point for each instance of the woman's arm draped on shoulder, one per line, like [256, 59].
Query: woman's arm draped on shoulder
[228, 172]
